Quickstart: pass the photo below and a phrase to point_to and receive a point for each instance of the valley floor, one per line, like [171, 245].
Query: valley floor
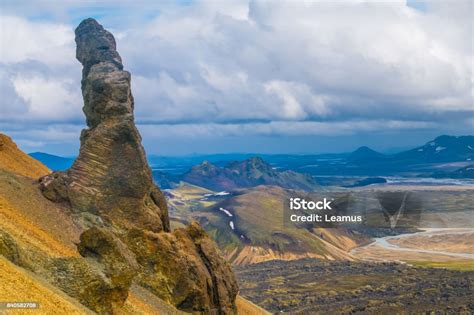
[312, 286]
[431, 245]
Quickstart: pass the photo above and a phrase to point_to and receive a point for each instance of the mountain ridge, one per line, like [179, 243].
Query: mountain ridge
[248, 173]
[442, 148]
[360, 162]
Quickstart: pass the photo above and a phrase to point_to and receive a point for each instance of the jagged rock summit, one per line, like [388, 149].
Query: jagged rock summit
[110, 192]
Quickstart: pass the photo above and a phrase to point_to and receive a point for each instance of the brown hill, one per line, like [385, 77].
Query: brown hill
[248, 226]
[14, 160]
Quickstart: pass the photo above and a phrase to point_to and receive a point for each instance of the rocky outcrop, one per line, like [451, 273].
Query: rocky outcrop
[127, 236]
[204, 284]
[111, 176]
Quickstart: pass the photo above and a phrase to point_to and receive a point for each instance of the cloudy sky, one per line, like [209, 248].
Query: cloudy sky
[247, 76]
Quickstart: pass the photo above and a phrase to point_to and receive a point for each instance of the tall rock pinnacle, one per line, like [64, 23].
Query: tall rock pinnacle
[111, 176]
[110, 193]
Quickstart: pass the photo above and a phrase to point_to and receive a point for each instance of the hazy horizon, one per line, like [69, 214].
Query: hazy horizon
[392, 150]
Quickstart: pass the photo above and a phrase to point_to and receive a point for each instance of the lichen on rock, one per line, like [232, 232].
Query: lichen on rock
[9, 248]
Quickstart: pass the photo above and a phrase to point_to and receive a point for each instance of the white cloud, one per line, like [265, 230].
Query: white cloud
[48, 99]
[46, 42]
[224, 82]
[300, 128]
[296, 99]
[257, 67]
[307, 60]
[32, 137]
[40, 76]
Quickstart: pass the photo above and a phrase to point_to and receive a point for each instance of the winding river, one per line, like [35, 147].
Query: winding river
[384, 242]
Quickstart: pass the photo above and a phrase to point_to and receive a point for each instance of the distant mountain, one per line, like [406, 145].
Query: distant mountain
[365, 154]
[425, 159]
[54, 162]
[441, 149]
[364, 161]
[248, 173]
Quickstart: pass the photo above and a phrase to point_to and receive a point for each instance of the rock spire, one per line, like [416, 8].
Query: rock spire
[110, 191]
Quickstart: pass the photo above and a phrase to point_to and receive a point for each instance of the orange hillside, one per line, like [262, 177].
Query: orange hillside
[14, 160]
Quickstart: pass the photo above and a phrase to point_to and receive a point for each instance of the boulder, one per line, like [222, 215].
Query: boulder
[185, 269]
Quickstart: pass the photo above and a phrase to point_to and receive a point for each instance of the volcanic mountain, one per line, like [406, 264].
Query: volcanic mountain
[365, 154]
[248, 173]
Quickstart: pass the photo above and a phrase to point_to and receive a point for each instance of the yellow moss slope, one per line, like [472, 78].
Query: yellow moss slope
[14, 160]
[30, 234]
[19, 285]
[245, 307]
[35, 222]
